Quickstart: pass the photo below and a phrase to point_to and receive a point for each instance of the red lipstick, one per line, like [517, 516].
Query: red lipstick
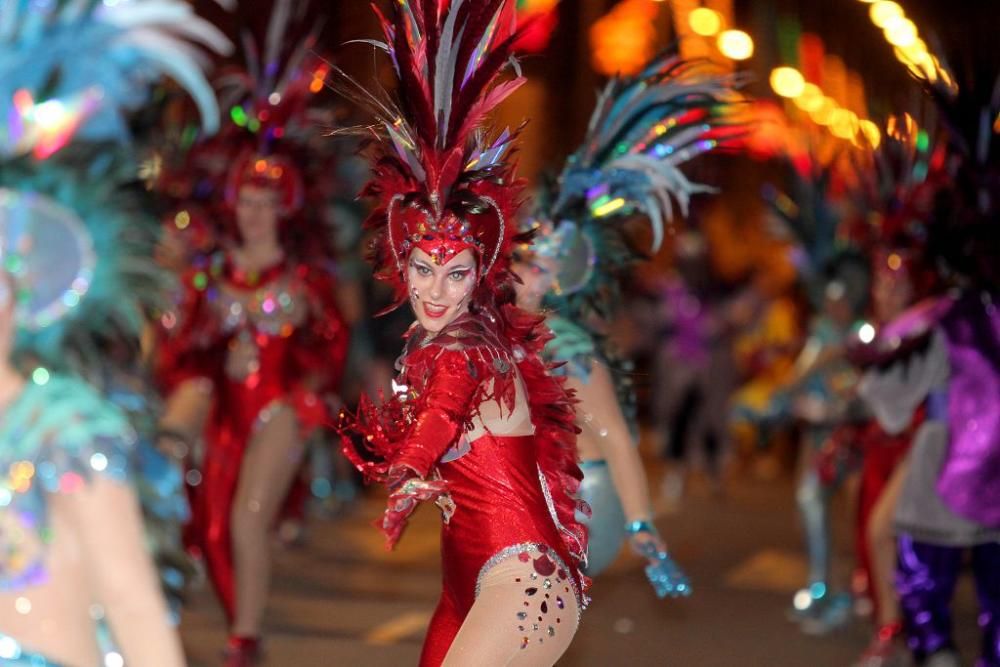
[434, 311]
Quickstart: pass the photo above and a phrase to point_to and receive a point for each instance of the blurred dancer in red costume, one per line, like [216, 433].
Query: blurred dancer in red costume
[476, 424]
[253, 354]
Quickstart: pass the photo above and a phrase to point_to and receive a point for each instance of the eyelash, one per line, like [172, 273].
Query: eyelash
[456, 276]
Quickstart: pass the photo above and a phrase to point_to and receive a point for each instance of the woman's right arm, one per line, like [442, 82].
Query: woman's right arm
[444, 412]
[445, 409]
[187, 359]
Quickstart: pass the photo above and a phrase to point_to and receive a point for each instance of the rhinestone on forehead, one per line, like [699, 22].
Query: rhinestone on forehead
[451, 234]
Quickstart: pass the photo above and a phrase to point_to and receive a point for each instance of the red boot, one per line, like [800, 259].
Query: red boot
[242, 652]
[886, 649]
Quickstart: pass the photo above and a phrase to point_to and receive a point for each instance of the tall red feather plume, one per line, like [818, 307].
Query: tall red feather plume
[449, 57]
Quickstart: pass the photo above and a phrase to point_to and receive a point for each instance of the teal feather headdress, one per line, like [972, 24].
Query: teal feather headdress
[94, 286]
[75, 234]
[644, 129]
[72, 69]
[818, 223]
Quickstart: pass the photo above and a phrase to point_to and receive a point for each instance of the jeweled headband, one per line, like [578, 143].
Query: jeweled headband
[443, 236]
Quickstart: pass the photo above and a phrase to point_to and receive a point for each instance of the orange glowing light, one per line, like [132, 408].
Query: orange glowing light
[736, 45]
[705, 22]
[811, 98]
[624, 39]
[823, 115]
[787, 81]
[870, 132]
[901, 32]
[901, 128]
[844, 124]
[884, 11]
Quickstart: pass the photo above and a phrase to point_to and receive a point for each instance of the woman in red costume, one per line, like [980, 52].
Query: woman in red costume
[475, 424]
[257, 344]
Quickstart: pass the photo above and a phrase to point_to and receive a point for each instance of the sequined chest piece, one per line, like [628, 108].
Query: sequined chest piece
[273, 310]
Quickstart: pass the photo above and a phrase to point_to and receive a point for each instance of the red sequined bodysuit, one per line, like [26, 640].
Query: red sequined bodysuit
[270, 338]
[505, 495]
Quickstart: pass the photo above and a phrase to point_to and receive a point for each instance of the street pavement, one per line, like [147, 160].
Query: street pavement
[341, 599]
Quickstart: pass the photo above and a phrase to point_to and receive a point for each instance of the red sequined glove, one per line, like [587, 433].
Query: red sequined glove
[406, 492]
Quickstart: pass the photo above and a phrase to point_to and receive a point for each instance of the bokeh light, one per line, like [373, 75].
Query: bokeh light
[787, 81]
[736, 45]
[705, 22]
[885, 11]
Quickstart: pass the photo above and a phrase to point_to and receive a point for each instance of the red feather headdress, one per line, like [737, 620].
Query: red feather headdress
[269, 97]
[439, 178]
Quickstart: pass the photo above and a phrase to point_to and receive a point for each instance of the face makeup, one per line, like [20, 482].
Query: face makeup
[439, 293]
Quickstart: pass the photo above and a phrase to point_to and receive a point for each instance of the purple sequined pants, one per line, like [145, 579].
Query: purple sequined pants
[925, 578]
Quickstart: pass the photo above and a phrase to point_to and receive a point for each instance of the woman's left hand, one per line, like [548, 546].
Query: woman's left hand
[663, 573]
[645, 543]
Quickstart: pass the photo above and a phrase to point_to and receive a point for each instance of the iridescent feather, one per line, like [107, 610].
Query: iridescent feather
[643, 132]
[643, 129]
[57, 51]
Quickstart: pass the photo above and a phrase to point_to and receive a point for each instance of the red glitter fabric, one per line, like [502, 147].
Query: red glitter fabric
[296, 365]
[882, 454]
[507, 492]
